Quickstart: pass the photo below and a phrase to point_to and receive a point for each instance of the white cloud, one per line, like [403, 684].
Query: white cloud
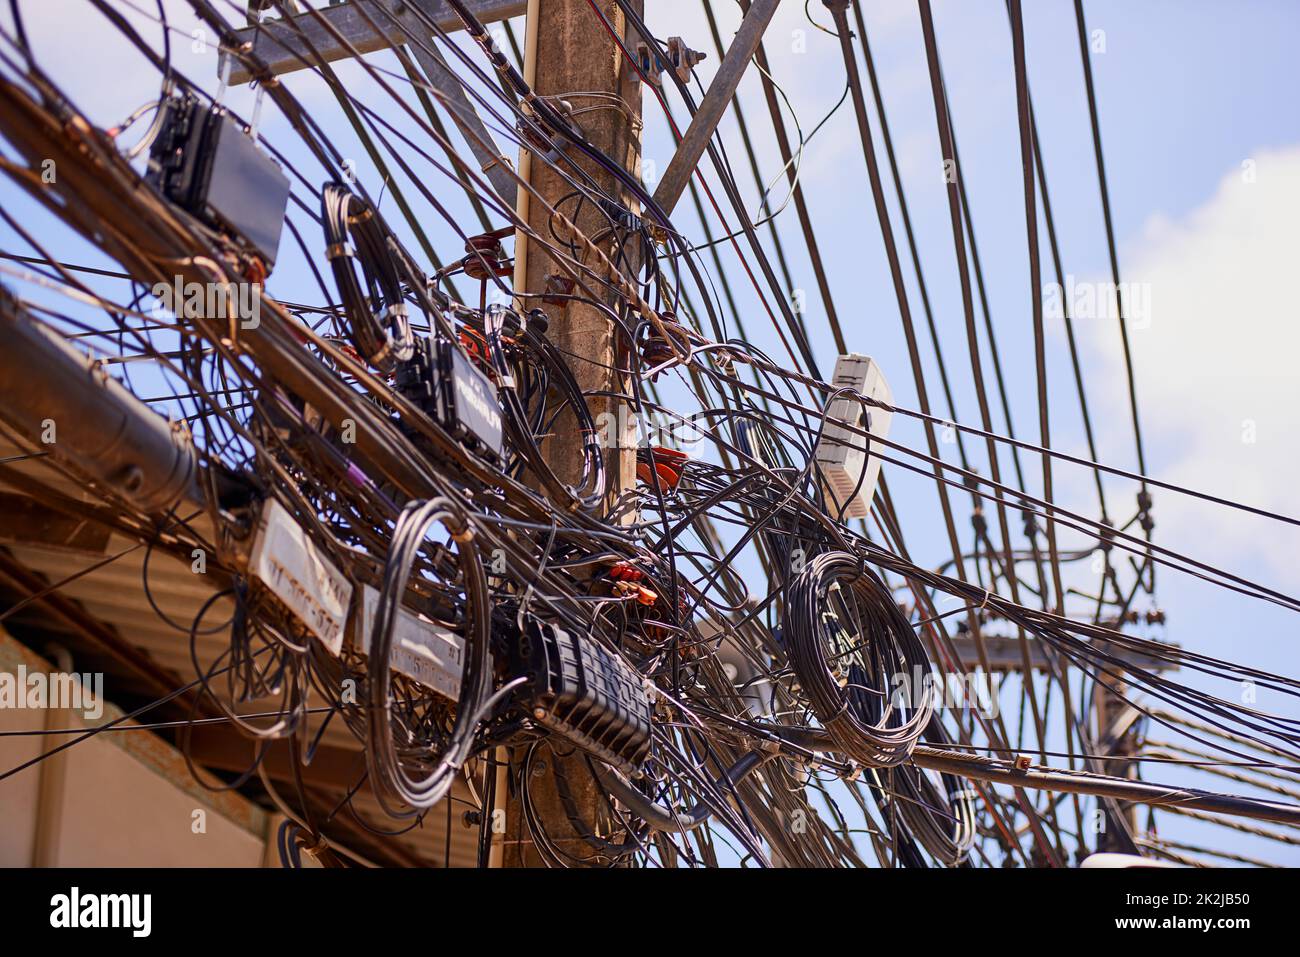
[1217, 374]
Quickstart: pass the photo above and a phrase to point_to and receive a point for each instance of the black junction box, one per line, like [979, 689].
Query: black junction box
[205, 163]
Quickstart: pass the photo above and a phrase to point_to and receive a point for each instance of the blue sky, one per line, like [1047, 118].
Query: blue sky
[1192, 99]
[1202, 143]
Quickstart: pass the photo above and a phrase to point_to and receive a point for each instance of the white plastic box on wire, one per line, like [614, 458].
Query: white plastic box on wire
[844, 458]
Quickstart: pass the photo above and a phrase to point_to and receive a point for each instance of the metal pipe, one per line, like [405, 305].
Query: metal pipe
[996, 771]
[1103, 785]
[52, 772]
[65, 402]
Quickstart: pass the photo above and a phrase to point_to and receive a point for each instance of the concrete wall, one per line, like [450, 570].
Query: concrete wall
[121, 798]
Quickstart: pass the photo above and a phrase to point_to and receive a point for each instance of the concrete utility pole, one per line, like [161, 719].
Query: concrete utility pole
[571, 56]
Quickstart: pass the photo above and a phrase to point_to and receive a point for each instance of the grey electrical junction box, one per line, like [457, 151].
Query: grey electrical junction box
[845, 458]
